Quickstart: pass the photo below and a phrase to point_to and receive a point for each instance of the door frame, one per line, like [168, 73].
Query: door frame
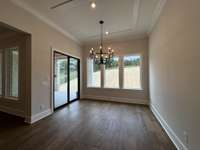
[53, 51]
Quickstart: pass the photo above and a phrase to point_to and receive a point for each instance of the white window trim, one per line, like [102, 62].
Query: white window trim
[121, 74]
[5, 76]
[141, 72]
[113, 88]
[88, 86]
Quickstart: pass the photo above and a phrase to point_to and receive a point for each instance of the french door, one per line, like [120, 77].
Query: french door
[73, 79]
[66, 79]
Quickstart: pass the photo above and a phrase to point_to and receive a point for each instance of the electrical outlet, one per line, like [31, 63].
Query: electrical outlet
[186, 137]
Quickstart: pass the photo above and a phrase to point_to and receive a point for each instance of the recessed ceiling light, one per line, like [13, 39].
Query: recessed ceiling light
[107, 32]
[93, 5]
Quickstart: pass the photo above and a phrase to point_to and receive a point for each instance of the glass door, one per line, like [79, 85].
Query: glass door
[66, 82]
[60, 79]
[73, 79]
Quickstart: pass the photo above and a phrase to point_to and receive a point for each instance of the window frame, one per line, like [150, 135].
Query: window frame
[87, 75]
[121, 74]
[141, 72]
[6, 76]
[104, 76]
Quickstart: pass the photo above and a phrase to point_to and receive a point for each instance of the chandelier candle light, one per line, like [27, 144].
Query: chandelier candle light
[100, 57]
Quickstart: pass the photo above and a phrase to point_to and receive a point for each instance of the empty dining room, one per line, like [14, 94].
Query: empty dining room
[99, 74]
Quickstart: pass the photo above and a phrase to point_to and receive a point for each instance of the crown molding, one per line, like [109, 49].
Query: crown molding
[136, 11]
[35, 13]
[118, 39]
[156, 14]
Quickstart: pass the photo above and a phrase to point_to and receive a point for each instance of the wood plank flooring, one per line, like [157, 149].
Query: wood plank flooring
[87, 125]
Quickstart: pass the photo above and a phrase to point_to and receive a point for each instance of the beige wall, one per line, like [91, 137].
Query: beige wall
[174, 69]
[43, 38]
[121, 48]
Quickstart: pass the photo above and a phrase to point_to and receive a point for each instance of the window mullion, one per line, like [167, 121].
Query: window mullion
[121, 72]
[102, 75]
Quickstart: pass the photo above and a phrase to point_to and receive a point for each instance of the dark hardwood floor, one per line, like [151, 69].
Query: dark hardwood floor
[87, 125]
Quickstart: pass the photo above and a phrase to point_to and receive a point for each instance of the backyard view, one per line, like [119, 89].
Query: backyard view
[61, 80]
[132, 73]
[131, 76]
[112, 74]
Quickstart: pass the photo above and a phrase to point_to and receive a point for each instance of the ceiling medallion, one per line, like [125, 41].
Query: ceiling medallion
[100, 56]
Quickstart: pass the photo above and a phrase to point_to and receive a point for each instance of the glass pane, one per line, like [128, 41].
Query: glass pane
[93, 74]
[132, 73]
[12, 72]
[60, 79]
[1, 56]
[73, 70]
[112, 74]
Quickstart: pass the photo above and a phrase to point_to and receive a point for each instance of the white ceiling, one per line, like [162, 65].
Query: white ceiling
[123, 18]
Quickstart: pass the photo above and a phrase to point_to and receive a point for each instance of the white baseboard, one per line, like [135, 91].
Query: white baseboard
[12, 111]
[117, 99]
[38, 116]
[172, 135]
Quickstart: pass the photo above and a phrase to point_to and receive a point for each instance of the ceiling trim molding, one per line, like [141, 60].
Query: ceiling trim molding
[136, 11]
[117, 39]
[45, 20]
[116, 35]
[156, 14]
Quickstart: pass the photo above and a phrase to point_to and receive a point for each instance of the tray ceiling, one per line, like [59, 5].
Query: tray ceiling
[77, 20]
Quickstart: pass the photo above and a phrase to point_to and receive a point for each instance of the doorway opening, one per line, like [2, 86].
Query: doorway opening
[66, 79]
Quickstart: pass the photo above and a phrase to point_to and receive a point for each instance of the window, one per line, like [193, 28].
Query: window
[12, 72]
[111, 77]
[132, 72]
[9, 72]
[124, 72]
[93, 74]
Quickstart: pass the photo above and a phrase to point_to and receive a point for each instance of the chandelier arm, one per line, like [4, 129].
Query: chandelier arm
[101, 53]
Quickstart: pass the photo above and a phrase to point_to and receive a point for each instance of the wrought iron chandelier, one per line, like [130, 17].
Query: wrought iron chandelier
[100, 56]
